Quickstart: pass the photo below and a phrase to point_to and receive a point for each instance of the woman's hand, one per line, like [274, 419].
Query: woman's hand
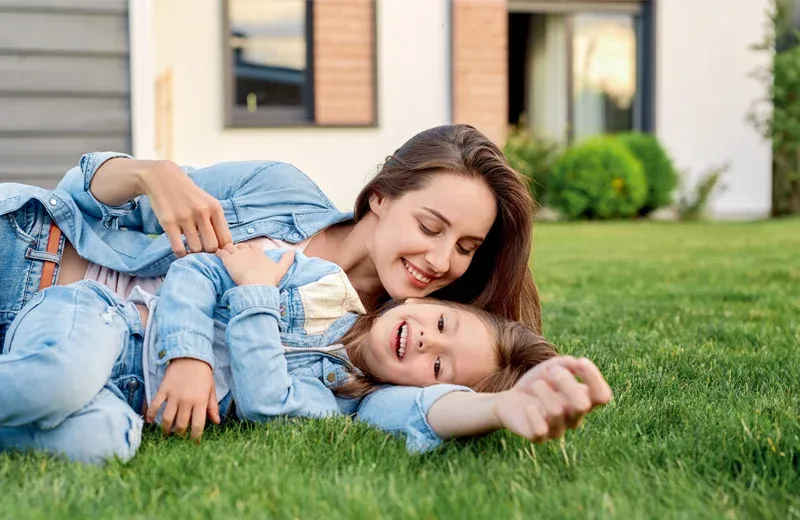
[248, 265]
[189, 393]
[548, 399]
[182, 208]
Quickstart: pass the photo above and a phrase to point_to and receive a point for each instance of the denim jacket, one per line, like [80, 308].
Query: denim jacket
[259, 198]
[278, 352]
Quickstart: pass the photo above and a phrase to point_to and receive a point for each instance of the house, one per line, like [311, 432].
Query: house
[334, 86]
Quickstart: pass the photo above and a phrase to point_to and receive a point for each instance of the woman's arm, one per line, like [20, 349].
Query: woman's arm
[155, 197]
[180, 206]
[120, 180]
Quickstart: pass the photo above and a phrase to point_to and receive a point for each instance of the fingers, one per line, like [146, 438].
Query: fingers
[192, 238]
[284, 265]
[174, 235]
[287, 259]
[184, 416]
[599, 391]
[221, 227]
[553, 407]
[539, 429]
[575, 395]
[226, 251]
[169, 416]
[198, 422]
[208, 236]
[152, 410]
[213, 406]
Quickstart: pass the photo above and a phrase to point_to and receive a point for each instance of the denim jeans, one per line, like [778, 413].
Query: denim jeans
[71, 378]
[23, 244]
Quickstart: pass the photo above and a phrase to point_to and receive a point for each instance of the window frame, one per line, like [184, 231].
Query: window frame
[643, 12]
[268, 117]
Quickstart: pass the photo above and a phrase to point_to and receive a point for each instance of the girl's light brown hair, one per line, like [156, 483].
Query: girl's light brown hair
[517, 349]
[498, 279]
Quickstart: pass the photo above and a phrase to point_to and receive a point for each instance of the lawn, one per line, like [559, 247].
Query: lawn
[696, 327]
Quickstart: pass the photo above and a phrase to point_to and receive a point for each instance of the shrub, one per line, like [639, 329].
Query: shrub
[598, 178]
[693, 202]
[659, 170]
[533, 157]
[777, 114]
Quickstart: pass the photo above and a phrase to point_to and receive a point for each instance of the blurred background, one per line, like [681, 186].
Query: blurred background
[664, 106]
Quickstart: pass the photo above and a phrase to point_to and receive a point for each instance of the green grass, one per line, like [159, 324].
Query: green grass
[696, 327]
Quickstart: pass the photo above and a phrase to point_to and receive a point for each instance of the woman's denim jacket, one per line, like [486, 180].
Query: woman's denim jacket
[277, 353]
[259, 198]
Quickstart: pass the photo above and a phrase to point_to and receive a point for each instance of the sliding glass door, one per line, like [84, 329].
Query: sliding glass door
[584, 68]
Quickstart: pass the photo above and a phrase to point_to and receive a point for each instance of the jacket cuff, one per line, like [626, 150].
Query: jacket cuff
[89, 164]
[244, 297]
[185, 345]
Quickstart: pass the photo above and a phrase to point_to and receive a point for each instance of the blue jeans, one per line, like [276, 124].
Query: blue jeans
[23, 248]
[71, 378]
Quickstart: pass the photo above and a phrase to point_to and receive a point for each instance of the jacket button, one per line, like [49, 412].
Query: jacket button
[331, 377]
[53, 202]
[162, 354]
[251, 230]
[132, 385]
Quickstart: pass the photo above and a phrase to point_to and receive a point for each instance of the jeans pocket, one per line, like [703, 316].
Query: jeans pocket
[23, 221]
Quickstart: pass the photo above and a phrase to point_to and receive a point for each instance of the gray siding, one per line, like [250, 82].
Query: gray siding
[64, 85]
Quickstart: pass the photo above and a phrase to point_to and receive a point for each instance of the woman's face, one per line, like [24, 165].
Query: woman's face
[422, 344]
[426, 238]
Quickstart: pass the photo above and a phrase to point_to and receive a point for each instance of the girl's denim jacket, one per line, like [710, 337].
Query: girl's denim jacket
[279, 356]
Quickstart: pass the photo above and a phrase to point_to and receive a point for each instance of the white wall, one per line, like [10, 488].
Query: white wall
[413, 94]
[703, 93]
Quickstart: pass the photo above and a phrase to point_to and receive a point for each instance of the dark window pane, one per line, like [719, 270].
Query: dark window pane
[268, 42]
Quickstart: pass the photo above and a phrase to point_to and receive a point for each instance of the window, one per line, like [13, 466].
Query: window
[580, 69]
[603, 73]
[299, 62]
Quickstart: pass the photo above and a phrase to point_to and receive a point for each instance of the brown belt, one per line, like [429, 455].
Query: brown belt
[49, 270]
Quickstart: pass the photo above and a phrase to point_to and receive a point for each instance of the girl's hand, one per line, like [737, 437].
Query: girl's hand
[189, 394]
[548, 399]
[248, 265]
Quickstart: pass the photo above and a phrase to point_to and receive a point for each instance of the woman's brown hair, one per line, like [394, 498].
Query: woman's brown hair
[517, 349]
[498, 279]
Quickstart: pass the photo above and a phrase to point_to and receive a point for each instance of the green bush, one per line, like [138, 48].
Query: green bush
[533, 157]
[598, 178]
[662, 178]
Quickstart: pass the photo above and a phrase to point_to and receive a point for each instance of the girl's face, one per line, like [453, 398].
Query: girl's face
[421, 344]
[426, 238]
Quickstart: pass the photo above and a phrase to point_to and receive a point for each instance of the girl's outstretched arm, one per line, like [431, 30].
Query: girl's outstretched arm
[542, 405]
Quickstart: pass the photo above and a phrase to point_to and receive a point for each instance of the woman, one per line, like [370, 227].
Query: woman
[73, 352]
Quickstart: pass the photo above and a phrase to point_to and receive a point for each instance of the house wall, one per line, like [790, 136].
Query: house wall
[412, 94]
[430, 73]
[703, 93]
[64, 86]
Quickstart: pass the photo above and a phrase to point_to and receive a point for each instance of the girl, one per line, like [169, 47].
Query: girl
[79, 360]
[404, 239]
